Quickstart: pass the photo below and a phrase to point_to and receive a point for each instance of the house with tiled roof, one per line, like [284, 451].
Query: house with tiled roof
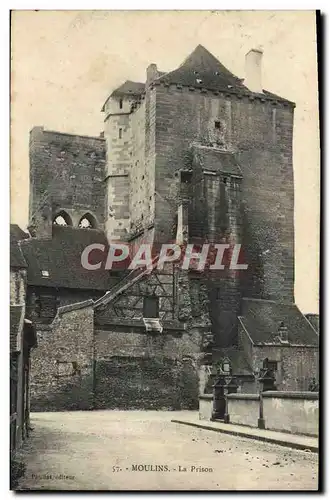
[22, 338]
[193, 155]
[55, 275]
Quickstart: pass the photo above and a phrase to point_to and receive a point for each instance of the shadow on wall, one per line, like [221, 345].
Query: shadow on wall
[131, 383]
[124, 383]
[253, 278]
[64, 394]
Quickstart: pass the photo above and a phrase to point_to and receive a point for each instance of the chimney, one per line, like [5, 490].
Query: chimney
[152, 73]
[253, 69]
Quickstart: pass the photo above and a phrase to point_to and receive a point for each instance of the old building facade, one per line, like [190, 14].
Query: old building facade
[195, 155]
[22, 340]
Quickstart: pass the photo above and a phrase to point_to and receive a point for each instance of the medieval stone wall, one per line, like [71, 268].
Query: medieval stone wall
[66, 173]
[215, 217]
[141, 177]
[105, 358]
[296, 364]
[140, 370]
[62, 365]
[150, 153]
[260, 135]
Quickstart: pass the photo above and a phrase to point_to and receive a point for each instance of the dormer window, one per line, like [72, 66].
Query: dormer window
[45, 274]
[283, 333]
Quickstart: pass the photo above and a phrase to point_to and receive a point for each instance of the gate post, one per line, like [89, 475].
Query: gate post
[267, 383]
[231, 389]
[219, 398]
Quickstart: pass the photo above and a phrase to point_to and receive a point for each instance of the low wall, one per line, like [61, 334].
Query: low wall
[205, 406]
[296, 412]
[243, 409]
[62, 365]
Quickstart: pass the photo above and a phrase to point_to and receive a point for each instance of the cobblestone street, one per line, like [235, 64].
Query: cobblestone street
[116, 450]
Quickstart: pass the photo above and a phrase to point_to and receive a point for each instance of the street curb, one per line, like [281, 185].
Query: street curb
[280, 442]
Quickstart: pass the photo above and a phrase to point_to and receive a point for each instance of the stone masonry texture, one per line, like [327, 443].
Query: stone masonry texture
[210, 165]
[63, 363]
[66, 174]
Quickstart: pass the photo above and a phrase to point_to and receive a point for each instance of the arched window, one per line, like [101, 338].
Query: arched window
[87, 221]
[62, 219]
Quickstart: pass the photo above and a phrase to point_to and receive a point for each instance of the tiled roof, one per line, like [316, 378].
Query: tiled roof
[314, 319]
[17, 233]
[15, 318]
[238, 358]
[129, 88]
[262, 319]
[60, 258]
[16, 256]
[134, 89]
[128, 280]
[216, 160]
[202, 69]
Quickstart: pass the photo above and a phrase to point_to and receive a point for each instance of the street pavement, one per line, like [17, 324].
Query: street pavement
[144, 450]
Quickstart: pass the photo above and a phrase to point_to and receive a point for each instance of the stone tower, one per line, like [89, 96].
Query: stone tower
[231, 141]
[66, 181]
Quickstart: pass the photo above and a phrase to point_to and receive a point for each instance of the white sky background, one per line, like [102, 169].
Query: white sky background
[65, 63]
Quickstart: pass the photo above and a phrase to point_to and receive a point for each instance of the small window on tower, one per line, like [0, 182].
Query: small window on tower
[120, 103]
[151, 307]
[217, 125]
[185, 176]
[270, 365]
[120, 133]
[60, 221]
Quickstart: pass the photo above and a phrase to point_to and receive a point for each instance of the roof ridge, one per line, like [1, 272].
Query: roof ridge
[71, 134]
[202, 69]
[125, 283]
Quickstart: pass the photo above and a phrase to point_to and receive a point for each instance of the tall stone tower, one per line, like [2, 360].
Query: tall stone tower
[230, 141]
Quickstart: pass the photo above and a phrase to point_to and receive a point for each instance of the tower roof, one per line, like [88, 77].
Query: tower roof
[125, 89]
[202, 69]
[129, 88]
[262, 318]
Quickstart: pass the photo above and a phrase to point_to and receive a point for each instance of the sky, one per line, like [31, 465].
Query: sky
[65, 64]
